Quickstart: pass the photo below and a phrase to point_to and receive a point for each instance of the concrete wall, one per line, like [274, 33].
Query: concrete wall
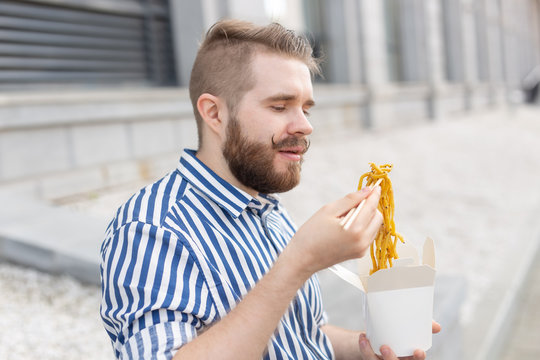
[58, 145]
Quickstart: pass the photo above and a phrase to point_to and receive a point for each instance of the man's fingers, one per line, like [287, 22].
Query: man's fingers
[419, 355]
[365, 348]
[370, 226]
[388, 354]
[342, 206]
[435, 327]
[369, 210]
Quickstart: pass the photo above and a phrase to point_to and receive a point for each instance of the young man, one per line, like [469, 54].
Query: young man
[205, 263]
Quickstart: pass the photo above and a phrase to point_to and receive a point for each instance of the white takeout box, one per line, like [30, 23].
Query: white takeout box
[399, 300]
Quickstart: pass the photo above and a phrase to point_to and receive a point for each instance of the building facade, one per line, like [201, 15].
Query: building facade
[93, 92]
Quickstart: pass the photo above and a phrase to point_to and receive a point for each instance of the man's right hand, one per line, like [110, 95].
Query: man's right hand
[322, 242]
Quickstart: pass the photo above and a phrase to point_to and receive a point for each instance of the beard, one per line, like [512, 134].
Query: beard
[252, 163]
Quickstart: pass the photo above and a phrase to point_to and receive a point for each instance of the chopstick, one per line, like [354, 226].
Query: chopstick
[353, 213]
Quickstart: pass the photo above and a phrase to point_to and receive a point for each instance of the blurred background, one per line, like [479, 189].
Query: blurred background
[94, 105]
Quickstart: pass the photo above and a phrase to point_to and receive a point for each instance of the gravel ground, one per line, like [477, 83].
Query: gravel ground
[49, 317]
[471, 183]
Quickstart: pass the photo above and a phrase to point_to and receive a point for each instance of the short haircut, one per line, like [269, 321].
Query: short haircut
[222, 66]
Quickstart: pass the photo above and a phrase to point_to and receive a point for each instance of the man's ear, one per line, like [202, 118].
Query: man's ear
[211, 108]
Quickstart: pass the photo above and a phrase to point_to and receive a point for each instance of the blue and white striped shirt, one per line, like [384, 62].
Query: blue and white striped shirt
[182, 252]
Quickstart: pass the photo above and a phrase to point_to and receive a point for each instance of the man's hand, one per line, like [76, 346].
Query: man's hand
[387, 353]
[322, 242]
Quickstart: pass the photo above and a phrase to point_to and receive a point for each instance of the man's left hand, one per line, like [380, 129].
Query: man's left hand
[387, 353]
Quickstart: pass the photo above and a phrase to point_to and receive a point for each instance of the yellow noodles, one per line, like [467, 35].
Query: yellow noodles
[383, 249]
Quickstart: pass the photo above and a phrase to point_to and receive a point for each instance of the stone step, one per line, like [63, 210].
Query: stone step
[51, 239]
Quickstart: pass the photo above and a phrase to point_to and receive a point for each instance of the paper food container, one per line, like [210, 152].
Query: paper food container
[399, 301]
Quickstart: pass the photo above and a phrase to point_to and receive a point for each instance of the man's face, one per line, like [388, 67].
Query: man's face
[267, 134]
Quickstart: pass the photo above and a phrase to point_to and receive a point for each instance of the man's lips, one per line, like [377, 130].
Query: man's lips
[299, 150]
[293, 153]
[291, 148]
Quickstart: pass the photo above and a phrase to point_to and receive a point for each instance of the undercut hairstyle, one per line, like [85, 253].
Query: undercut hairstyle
[222, 66]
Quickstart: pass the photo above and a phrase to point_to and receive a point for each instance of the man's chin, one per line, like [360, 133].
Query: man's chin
[291, 180]
[292, 174]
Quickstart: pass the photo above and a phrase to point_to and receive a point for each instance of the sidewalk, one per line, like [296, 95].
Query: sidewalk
[524, 331]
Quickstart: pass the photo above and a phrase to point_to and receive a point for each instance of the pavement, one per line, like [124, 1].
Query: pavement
[522, 339]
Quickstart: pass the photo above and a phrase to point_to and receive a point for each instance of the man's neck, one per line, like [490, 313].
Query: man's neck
[217, 163]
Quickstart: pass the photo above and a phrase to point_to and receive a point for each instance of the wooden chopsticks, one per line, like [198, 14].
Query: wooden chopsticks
[353, 213]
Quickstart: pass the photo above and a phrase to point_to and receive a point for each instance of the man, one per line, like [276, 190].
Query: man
[205, 263]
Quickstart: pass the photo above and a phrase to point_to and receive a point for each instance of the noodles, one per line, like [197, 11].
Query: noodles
[383, 249]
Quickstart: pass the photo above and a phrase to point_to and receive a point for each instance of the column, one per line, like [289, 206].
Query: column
[373, 41]
[375, 58]
[435, 61]
[494, 50]
[510, 47]
[353, 40]
[336, 53]
[470, 66]
[536, 30]
[412, 30]
[252, 10]
[187, 25]
[213, 10]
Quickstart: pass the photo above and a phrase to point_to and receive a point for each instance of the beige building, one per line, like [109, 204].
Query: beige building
[92, 93]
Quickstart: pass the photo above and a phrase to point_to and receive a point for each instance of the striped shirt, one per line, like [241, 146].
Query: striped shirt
[182, 252]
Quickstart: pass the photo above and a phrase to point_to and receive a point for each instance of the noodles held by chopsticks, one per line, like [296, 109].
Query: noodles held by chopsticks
[383, 249]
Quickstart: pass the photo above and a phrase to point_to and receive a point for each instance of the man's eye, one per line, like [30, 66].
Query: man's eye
[307, 113]
[278, 107]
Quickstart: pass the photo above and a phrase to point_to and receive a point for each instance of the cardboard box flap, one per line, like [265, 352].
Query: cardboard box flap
[407, 272]
[401, 277]
[428, 253]
[364, 265]
[404, 262]
[406, 250]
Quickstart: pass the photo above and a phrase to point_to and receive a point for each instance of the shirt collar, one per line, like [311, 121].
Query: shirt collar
[227, 196]
[263, 203]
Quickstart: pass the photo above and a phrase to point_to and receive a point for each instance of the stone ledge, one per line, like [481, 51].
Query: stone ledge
[505, 309]
[101, 95]
[51, 239]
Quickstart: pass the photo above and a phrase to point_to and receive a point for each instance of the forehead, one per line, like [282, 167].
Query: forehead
[274, 73]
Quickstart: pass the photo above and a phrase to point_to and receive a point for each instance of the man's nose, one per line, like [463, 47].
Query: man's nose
[300, 124]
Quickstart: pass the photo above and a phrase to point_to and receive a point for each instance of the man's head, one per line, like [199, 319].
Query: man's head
[223, 63]
[251, 90]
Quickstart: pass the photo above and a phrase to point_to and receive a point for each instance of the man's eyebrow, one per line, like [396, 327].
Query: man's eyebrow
[310, 103]
[288, 97]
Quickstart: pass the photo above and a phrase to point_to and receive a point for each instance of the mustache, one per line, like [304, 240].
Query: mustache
[304, 142]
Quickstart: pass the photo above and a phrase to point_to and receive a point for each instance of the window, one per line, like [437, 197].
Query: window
[84, 44]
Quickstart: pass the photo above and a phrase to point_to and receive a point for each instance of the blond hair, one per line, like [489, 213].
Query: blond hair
[222, 66]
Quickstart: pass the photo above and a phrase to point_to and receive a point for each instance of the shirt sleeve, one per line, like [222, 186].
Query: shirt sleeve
[154, 296]
[321, 317]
